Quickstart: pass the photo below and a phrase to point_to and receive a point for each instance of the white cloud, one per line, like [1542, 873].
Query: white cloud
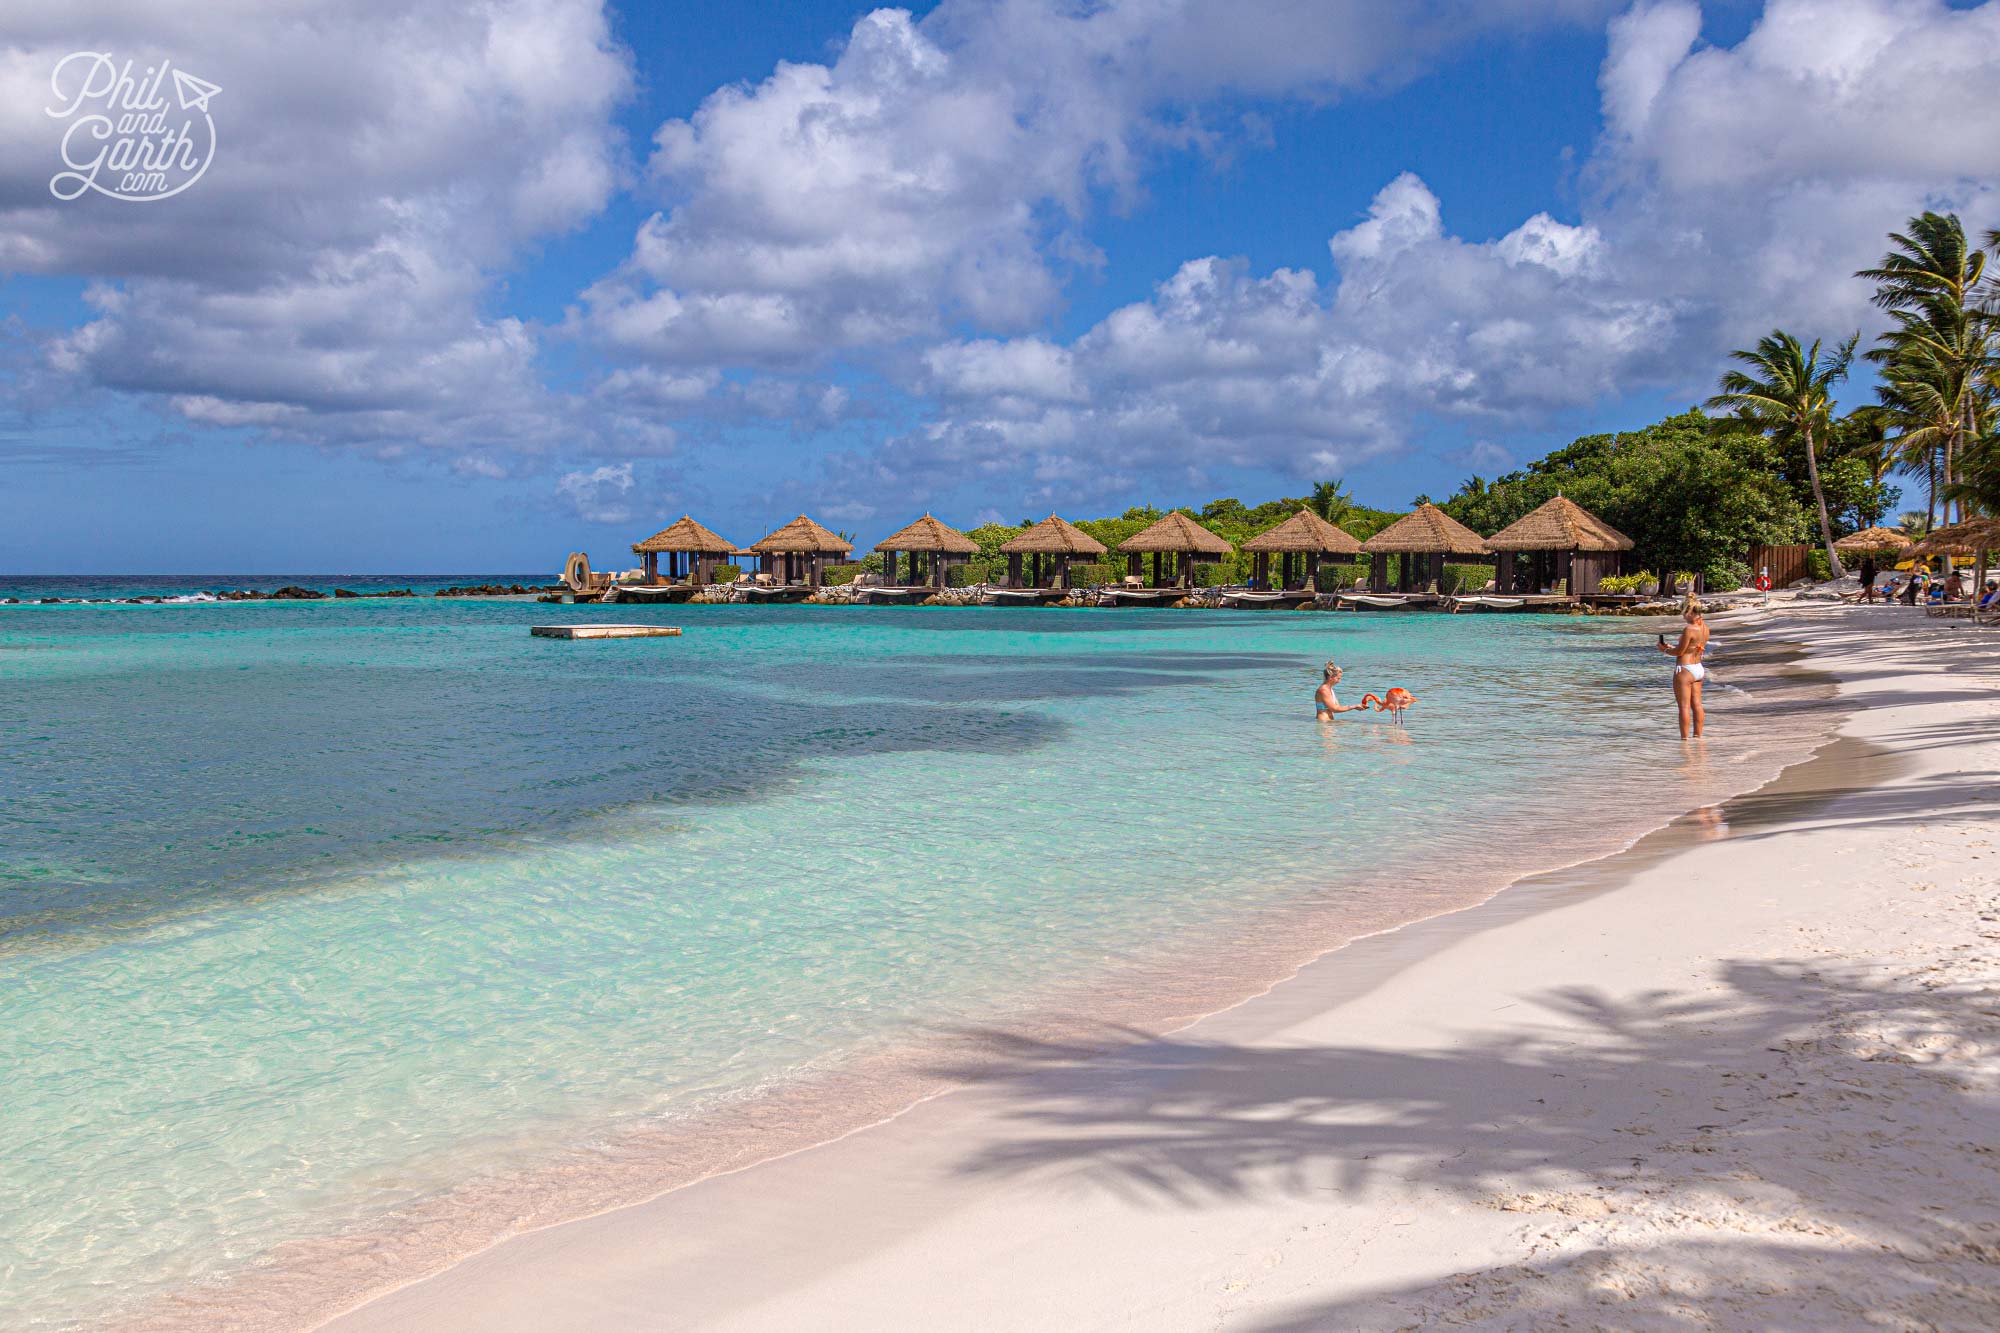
[936, 172]
[601, 495]
[1023, 367]
[329, 276]
[1734, 189]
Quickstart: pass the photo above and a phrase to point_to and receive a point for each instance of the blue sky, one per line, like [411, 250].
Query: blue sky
[450, 297]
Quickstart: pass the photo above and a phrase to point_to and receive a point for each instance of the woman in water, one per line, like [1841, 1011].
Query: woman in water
[1688, 670]
[1324, 703]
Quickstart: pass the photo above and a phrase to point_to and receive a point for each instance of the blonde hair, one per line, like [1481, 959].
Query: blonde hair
[1331, 669]
[1691, 608]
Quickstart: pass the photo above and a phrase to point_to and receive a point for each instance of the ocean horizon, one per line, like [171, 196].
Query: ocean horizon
[26, 588]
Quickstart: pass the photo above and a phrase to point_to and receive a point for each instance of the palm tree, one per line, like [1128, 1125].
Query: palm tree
[1789, 393]
[1921, 401]
[1330, 500]
[1932, 283]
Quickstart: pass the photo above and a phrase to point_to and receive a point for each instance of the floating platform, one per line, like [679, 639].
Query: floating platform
[604, 631]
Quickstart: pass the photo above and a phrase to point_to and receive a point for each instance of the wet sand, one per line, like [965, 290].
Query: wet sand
[1361, 1142]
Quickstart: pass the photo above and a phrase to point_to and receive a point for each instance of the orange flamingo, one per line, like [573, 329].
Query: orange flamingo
[1392, 703]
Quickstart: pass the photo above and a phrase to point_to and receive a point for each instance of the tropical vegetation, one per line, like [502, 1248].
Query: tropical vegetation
[1772, 461]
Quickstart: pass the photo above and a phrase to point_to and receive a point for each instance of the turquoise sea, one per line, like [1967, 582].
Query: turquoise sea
[312, 911]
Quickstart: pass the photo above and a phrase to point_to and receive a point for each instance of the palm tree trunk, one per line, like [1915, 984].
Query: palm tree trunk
[1819, 498]
[1949, 457]
[1930, 491]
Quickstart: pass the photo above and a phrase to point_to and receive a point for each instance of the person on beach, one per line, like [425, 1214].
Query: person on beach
[1688, 670]
[1325, 705]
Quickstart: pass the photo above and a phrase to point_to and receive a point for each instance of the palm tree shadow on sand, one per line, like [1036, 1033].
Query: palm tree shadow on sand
[1805, 1139]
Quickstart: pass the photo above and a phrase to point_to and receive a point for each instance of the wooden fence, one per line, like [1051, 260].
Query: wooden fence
[1786, 563]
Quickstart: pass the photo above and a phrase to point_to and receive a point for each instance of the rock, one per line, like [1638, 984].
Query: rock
[291, 592]
[498, 590]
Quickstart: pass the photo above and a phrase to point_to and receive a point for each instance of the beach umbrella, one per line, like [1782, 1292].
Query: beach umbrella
[1961, 539]
[1971, 537]
[1873, 541]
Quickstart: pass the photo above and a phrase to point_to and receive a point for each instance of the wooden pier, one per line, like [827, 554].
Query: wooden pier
[604, 631]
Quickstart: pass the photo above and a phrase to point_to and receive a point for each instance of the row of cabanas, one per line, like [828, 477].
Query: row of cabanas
[1559, 541]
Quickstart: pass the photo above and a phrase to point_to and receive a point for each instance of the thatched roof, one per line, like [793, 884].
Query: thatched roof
[1873, 541]
[1305, 531]
[1054, 536]
[927, 534]
[1961, 539]
[801, 534]
[1179, 533]
[1426, 532]
[686, 535]
[1559, 525]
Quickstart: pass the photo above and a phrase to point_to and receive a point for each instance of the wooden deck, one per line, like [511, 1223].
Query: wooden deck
[780, 592]
[1022, 596]
[650, 592]
[1113, 596]
[899, 596]
[604, 631]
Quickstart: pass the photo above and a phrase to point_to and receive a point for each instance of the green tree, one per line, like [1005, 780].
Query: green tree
[1330, 499]
[1935, 356]
[1788, 391]
[1694, 493]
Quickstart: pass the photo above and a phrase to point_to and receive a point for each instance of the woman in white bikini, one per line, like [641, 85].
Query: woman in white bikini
[1688, 670]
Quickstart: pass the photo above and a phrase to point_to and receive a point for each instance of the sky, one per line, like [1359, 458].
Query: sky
[465, 285]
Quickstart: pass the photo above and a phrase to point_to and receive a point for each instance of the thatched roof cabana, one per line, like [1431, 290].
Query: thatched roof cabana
[692, 552]
[1874, 541]
[1302, 532]
[1428, 531]
[938, 546]
[1961, 539]
[1054, 535]
[1047, 549]
[1424, 538]
[1176, 536]
[799, 550]
[1566, 545]
[1561, 524]
[1300, 542]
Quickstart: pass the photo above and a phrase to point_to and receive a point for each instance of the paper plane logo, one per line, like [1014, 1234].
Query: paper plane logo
[194, 93]
[126, 139]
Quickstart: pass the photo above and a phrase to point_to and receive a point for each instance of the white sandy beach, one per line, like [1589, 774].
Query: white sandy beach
[1741, 1077]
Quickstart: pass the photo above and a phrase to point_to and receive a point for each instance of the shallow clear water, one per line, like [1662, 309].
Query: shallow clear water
[308, 910]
